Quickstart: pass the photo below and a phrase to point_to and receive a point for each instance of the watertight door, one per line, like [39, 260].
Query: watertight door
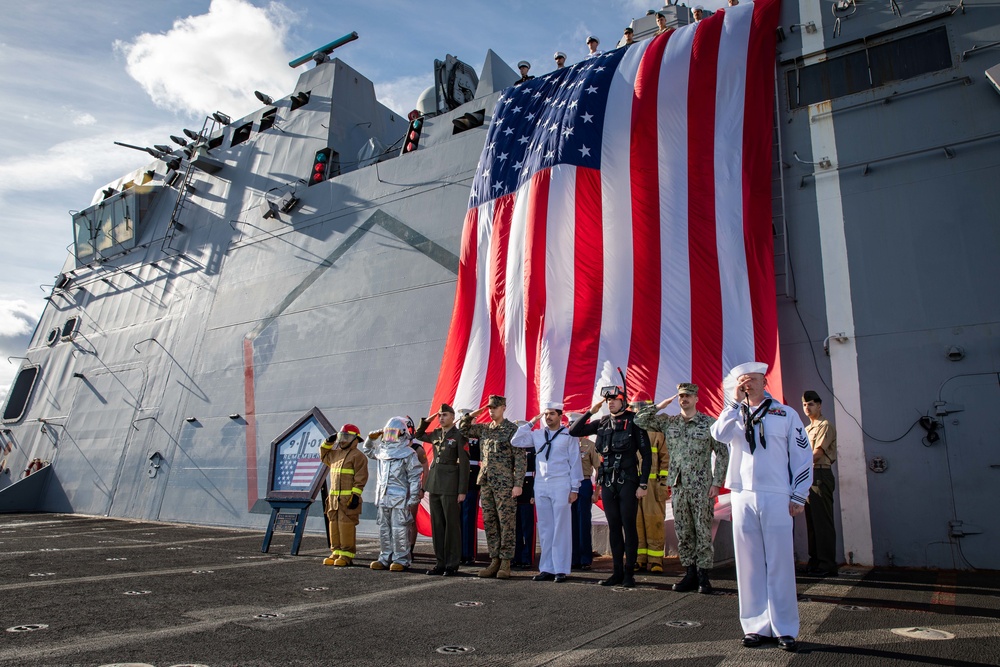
[973, 443]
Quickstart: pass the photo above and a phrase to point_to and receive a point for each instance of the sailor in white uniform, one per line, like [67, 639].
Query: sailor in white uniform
[558, 474]
[770, 472]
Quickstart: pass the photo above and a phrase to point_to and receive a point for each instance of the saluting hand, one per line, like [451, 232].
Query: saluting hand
[596, 406]
[665, 402]
[374, 435]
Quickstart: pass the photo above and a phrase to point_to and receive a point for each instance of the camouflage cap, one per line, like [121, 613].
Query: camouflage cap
[446, 408]
[497, 401]
[687, 388]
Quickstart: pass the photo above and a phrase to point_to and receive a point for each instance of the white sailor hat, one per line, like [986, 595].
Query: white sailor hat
[747, 368]
[729, 383]
[552, 405]
[699, 8]
[591, 38]
[524, 63]
[559, 54]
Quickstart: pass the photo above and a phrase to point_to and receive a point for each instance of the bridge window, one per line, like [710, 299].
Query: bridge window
[872, 67]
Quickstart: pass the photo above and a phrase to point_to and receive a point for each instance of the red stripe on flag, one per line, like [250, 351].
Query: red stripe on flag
[758, 128]
[534, 284]
[706, 298]
[588, 282]
[644, 346]
[461, 315]
[496, 289]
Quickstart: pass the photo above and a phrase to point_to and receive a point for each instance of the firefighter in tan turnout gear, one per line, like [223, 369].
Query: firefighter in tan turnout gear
[649, 521]
[348, 475]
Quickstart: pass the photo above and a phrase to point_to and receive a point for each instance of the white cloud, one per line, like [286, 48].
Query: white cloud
[17, 317]
[81, 119]
[214, 61]
[401, 94]
[93, 160]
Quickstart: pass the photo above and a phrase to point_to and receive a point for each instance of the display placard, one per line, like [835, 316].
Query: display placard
[296, 470]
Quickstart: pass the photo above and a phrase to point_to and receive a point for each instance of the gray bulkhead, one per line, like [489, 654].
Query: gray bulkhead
[892, 237]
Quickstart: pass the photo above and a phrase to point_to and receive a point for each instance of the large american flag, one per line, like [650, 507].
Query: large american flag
[621, 216]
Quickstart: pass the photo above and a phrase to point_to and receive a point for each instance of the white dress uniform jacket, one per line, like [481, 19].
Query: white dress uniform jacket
[558, 471]
[763, 483]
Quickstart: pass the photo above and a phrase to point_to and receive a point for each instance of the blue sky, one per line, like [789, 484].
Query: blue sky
[76, 76]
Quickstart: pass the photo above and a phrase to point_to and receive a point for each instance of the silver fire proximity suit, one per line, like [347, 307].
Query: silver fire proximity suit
[397, 487]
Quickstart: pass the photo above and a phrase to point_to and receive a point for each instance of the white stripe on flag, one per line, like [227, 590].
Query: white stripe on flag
[675, 273]
[515, 388]
[616, 203]
[560, 268]
[730, 96]
[473, 377]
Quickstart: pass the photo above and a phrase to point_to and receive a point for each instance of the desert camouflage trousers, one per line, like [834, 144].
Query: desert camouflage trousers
[693, 511]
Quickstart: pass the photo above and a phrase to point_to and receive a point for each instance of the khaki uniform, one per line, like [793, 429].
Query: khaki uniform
[447, 478]
[652, 508]
[348, 476]
[690, 446]
[820, 526]
[589, 457]
[502, 467]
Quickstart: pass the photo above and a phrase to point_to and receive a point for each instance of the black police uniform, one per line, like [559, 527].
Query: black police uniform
[619, 441]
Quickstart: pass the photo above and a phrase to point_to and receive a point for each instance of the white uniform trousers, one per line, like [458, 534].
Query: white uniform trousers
[555, 524]
[765, 564]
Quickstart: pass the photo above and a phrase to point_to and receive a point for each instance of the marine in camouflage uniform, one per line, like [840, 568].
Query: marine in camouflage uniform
[502, 469]
[694, 484]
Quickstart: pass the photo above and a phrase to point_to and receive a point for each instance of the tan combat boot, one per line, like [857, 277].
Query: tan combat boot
[331, 560]
[492, 569]
[341, 561]
[504, 571]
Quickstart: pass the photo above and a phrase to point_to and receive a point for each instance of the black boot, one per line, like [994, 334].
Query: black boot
[689, 582]
[704, 585]
[616, 578]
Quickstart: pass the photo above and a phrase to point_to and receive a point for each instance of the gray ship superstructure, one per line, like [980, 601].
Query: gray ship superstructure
[212, 298]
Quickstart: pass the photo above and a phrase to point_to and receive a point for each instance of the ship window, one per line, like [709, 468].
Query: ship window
[910, 56]
[214, 142]
[300, 99]
[875, 66]
[241, 134]
[70, 327]
[20, 394]
[267, 119]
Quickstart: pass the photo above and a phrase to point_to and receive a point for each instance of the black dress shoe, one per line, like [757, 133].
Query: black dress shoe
[787, 643]
[585, 566]
[543, 576]
[614, 580]
[752, 640]
[450, 572]
[469, 561]
[628, 581]
[436, 570]
[559, 578]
